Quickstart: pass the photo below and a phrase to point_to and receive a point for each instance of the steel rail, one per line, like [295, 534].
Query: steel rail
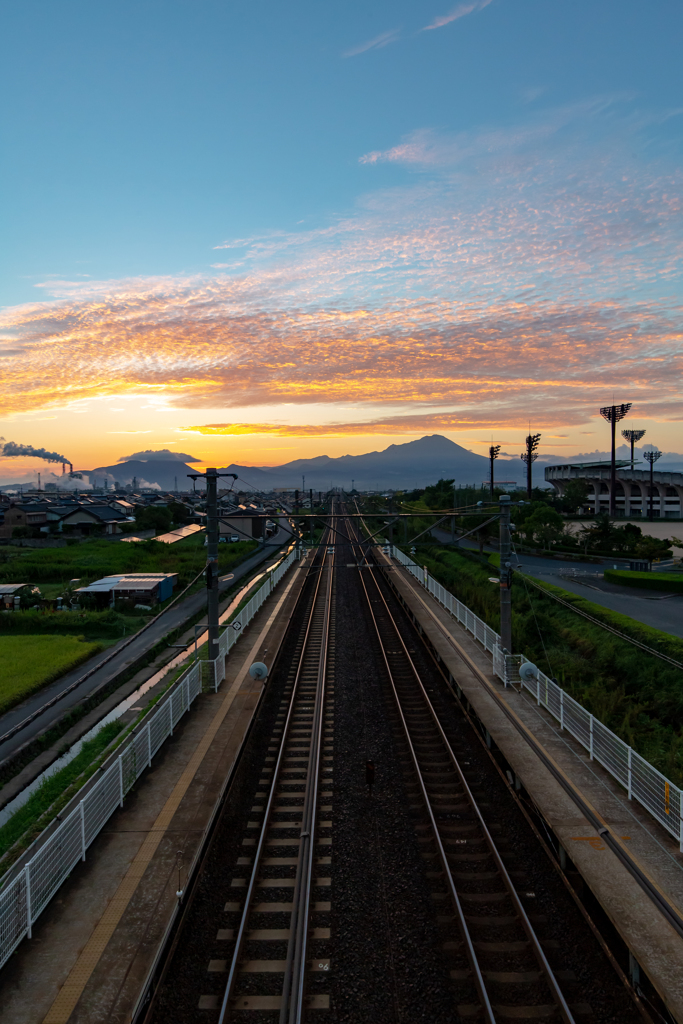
[667, 909]
[225, 1015]
[291, 1010]
[541, 959]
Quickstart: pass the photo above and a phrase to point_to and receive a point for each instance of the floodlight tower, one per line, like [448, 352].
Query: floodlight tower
[632, 436]
[530, 456]
[493, 455]
[614, 413]
[652, 458]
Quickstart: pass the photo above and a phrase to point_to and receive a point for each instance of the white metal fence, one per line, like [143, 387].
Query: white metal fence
[642, 781]
[230, 635]
[27, 894]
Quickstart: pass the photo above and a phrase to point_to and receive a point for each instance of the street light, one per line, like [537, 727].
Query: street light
[614, 413]
[652, 458]
[633, 436]
[493, 455]
[530, 456]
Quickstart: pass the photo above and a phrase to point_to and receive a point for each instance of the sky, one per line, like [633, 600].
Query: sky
[260, 231]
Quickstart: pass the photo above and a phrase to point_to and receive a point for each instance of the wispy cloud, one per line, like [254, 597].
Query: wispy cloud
[429, 148]
[529, 276]
[377, 43]
[461, 11]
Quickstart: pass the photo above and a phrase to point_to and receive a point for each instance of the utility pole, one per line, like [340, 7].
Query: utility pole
[652, 458]
[493, 455]
[505, 575]
[455, 505]
[614, 413]
[212, 529]
[310, 498]
[633, 436]
[530, 456]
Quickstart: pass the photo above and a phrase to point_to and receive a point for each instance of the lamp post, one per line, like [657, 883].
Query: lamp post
[632, 436]
[652, 458]
[614, 413]
[493, 455]
[530, 456]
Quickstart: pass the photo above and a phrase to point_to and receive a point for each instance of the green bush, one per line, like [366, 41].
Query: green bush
[106, 625]
[671, 582]
[635, 694]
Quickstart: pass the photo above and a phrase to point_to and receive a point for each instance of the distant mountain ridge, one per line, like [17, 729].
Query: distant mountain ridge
[399, 467]
[414, 464]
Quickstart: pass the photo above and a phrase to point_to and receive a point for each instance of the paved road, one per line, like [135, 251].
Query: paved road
[175, 617]
[651, 607]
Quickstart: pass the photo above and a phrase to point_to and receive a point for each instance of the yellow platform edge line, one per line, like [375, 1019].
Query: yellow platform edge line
[79, 975]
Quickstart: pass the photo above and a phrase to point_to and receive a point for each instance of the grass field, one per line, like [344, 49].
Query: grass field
[29, 662]
[91, 559]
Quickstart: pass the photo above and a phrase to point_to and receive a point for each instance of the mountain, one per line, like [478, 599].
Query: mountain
[400, 466]
[161, 473]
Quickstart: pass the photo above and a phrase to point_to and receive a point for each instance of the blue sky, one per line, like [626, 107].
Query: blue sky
[139, 135]
[220, 171]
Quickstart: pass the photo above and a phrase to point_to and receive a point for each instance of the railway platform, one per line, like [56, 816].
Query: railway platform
[655, 947]
[94, 946]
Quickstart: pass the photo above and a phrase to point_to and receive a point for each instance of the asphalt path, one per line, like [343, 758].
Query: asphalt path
[654, 608]
[175, 617]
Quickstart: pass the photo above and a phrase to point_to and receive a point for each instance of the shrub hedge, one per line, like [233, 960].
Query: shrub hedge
[670, 582]
[635, 694]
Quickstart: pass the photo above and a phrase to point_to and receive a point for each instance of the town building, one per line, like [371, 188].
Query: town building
[141, 587]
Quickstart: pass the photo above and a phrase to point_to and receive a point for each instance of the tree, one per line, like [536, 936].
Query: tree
[653, 547]
[154, 518]
[573, 497]
[544, 525]
[440, 494]
[180, 513]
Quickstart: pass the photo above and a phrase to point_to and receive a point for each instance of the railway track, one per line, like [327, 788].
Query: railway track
[286, 833]
[496, 956]
[273, 933]
[434, 918]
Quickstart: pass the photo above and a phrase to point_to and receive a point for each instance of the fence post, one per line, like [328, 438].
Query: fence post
[121, 779]
[538, 688]
[186, 690]
[29, 922]
[591, 736]
[561, 709]
[82, 805]
[149, 744]
[630, 787]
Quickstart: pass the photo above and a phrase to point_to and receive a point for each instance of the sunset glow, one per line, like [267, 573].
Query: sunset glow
[513, 273]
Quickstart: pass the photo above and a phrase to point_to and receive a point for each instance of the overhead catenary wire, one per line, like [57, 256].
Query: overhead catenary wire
[603, 625]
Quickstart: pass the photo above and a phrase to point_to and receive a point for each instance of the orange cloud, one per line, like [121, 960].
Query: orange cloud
[487, 291]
